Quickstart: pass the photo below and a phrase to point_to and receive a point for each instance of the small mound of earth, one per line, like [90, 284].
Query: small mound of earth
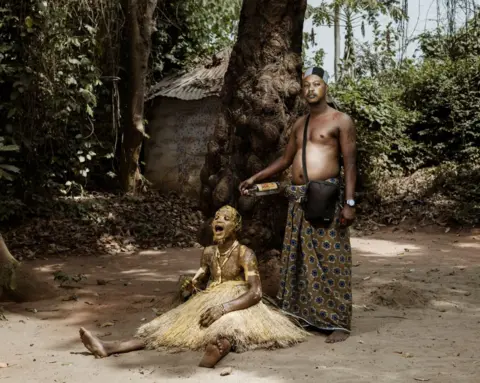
[396, 295]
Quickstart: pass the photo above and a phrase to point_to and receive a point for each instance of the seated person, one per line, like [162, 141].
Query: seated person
[228, 315]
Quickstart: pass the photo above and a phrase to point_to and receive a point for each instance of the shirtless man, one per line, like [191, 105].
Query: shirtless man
[227, 315]
[316, 262]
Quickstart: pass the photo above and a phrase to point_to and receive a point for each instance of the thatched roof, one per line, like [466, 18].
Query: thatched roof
[203, 81]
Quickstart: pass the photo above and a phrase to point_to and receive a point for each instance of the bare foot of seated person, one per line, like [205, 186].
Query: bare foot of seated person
[215, 352]
[103, 349]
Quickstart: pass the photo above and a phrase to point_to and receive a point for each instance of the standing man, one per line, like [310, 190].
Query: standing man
[316, 265]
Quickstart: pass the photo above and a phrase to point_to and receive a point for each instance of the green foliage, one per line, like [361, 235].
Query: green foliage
[352, 11]
[189, 30]
[413, 115]
[319, 55]
[445, 89]
[446, 94]
[48, 68]
[384, 147]
[465, 43]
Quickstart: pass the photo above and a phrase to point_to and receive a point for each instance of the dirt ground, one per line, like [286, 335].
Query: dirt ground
[416, 318]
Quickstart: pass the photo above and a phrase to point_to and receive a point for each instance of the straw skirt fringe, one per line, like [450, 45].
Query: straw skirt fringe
[259, 326]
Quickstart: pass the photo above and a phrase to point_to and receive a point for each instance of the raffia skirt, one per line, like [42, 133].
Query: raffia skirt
[259, 326]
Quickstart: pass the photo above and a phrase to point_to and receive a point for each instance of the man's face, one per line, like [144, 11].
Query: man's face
[223, 226]
[314, 89]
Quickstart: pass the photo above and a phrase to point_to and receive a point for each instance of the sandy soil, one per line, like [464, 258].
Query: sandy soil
[416, 318]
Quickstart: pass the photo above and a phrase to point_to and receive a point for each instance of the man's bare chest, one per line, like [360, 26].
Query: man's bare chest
[320, 133]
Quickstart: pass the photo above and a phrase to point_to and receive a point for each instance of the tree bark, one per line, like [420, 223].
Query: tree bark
[261, 99]
[139, 19]
[18, 284]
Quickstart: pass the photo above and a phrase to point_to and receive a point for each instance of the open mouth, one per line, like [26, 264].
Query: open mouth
[218, 229]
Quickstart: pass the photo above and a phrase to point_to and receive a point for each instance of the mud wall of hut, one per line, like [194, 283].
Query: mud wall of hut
[179, 132]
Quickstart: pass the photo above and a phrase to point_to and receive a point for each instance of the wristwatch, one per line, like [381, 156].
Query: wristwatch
[350, 202]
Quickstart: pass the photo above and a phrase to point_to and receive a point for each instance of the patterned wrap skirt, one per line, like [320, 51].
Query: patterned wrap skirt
[315, 273]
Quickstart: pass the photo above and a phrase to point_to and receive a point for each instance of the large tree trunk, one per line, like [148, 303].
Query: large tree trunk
[261, 100]
[18, 284]
[139, 18]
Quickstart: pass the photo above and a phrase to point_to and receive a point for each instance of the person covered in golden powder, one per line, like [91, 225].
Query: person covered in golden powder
[228, 315]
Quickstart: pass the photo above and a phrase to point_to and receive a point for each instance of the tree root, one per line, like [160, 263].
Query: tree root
[18, 284]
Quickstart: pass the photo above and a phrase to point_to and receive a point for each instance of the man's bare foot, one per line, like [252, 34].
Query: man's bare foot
[215, 352]
[337, 336]
[92, 343]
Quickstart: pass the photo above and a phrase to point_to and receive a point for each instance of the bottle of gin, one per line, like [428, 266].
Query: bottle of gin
[260, 190]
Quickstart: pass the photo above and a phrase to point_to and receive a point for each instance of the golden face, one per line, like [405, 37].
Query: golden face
[226, 224]
[314, 89]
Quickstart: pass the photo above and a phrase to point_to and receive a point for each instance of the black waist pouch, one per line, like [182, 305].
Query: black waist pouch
[320, 201]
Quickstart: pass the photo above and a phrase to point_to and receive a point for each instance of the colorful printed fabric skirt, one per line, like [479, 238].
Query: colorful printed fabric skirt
[315, 275]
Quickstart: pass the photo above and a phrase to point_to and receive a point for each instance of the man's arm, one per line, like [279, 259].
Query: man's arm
[279, 165]
[348, 146]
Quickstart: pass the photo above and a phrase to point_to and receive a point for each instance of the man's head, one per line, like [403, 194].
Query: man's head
[226, 224]
[315, 85]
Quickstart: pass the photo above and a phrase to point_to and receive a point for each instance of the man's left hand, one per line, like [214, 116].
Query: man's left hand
[347, 216]
[211, 315]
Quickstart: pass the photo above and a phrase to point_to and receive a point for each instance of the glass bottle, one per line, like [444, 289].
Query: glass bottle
[268, 188]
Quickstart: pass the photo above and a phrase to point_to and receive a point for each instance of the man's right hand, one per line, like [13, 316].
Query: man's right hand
[245, 185]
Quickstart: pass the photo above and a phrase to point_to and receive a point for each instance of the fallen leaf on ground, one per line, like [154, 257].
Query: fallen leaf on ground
[404, 354]
[226, 371]
[70, 298]
[366, 278]
[421, 379]
[101, 282]
[31, 310]
[107, 324]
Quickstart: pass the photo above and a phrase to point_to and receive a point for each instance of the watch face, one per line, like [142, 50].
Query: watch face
[350, 202]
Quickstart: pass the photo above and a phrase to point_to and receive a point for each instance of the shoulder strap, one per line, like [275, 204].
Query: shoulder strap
[304, 152]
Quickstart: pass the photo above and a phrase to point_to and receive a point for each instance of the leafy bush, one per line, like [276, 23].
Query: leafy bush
[446, 94]
[384, 147]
